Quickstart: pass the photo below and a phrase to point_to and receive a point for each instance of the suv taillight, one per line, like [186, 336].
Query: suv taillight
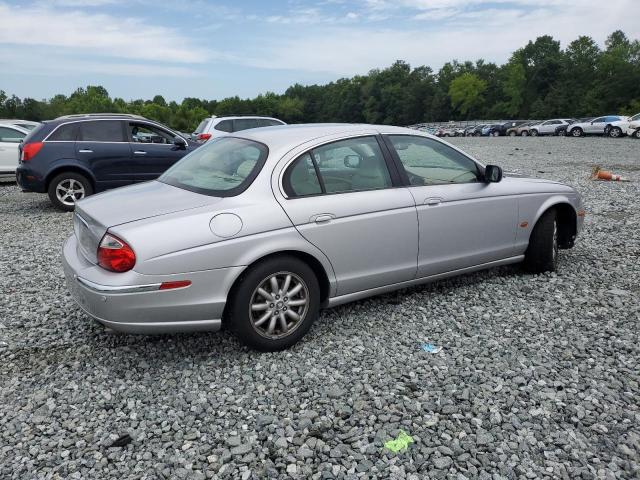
[115, 255]
[203, 137]
[29, 150]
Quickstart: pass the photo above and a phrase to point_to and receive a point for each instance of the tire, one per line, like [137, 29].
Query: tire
[524, 133]
[576, 132]
[513, 133]
[245, 320]
[615, 132]
[542, 253]
[495, 134]
[534, 133]
[562, 133]
[636, 134]
[67, 188]
[606, 130]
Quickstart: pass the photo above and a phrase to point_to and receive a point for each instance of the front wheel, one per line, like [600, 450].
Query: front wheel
[562, 133]
[524, 133]
[636, 134]
[534, 133]
[615, 132]
[542, 253]
[274, 303]
[576, 132]
[67, 188]
[512, 133]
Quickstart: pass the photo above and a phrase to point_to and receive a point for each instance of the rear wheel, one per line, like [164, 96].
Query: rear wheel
[576, 132]
[542, 253]
[274, 304]
[562, 133]
[615, 132]
[67, 188]
[534, 133]
[512, 133]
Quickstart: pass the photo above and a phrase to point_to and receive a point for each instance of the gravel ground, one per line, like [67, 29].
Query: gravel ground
[538, 376]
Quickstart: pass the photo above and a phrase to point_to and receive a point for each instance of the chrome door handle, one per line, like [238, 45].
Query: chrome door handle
[85, 150]
[432, 202]
[139, 152]
[324, 218]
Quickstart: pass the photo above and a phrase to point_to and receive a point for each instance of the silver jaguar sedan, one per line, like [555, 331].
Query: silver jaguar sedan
[262, 229]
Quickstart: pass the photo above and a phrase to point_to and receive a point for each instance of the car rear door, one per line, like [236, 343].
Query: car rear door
[344, 199]
[152, 149]
[10, 139]
[462, 221]
[102, 148]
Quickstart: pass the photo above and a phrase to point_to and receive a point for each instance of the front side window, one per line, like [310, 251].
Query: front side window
[222, 167]
[102, 131]
[145, 133]
[344, 166]
[429, 162]
[10, 135]
[635, 118]
[599, 120]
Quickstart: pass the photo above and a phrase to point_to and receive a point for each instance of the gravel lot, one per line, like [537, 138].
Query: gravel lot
[538, 376]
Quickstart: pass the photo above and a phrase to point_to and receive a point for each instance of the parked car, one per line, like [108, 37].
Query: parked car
[216, 126]
[10, 138]
[597, 126]
[633, 129]
[447, 132]
[619, 128]
[477, 130]
[492, 130]
[75, 156]
[262, 231]
[522, 129]
[26, 124]
[511, 124]
[548, 127]
[468, 132]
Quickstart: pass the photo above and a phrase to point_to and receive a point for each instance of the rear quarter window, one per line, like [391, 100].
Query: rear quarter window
[224, 126]
[64, 133]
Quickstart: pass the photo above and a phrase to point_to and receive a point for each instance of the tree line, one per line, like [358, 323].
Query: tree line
[540, 80]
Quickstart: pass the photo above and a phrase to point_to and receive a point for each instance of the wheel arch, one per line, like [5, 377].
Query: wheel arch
[567, 218]
[69, 168]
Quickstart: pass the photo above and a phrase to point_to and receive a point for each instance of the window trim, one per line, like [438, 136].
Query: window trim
[123, 120]
[403, 172]
[396, 181]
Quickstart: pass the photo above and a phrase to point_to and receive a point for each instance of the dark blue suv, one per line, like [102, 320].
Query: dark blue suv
[74, 156]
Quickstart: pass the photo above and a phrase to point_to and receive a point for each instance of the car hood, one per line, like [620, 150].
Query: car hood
[136, 202]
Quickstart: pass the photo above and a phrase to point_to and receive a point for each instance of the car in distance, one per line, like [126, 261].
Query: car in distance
[223, 125]
[633, 129]
[262, 229]
[548, 127]
[75, 156]
[619, 128]
[26, 124]
[522, 129]
[596, 126]
[506, 127]
[492, 130]
[10, 138]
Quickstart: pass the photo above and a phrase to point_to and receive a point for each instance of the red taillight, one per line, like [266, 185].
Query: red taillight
[203, 137]
[115, 255]
[29, 150]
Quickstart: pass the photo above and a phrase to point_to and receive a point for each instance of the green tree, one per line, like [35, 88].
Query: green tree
[466, 92]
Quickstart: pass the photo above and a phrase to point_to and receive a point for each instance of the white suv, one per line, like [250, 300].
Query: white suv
[215, 126]
[548, 127]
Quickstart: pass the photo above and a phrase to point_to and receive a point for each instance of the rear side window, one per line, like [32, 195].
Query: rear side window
[245, 124]
[200, 128]
[225, 126]
[65, 133]
[9, 135]
[102, 131]
[302, 179]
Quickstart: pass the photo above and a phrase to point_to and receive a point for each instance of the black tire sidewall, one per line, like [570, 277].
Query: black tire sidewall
[238, 313]
[539, 256]
[51, 191]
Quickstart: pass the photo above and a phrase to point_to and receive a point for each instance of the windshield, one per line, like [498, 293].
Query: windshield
[223, 167]
[635, 117]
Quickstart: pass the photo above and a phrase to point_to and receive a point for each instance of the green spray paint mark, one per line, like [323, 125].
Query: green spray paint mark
[400, 443]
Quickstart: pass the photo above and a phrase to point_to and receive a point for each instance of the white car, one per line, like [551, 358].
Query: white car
[218, 126]
[624, 127]
[548, 127]
[633, 129]
[597, 126]
[10, 138]
[26, 124]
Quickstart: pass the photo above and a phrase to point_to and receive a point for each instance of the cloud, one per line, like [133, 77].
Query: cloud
[97, 34]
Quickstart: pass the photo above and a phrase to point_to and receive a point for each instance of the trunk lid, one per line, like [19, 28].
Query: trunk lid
[94, 215]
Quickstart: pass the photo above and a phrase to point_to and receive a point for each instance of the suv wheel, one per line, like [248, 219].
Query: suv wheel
[67, 188]
[534, 133]
[524, 133]
[615, 132]
[562, 133]
[274, 304]
[576, 132]
[513, 133]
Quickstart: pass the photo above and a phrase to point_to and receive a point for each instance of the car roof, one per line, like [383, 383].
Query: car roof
[293, 135]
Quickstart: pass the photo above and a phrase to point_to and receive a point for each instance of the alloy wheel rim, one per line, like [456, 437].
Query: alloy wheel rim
[69, 191]
[614, 132]
[279, 305]
[575, 133]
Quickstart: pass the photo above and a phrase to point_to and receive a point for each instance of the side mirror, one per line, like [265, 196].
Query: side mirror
[178, 141]
[492, 174]
[352, 161]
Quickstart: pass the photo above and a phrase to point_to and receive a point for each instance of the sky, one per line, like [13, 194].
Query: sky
[215, 49]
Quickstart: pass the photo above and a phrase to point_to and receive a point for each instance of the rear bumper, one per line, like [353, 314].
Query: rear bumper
[137, 306]
[29, 181]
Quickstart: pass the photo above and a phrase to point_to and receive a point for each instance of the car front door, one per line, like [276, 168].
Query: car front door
[596, 126]
[101, 147]
[343, 198]
[153, 150]
[462, 221]
[10, 139]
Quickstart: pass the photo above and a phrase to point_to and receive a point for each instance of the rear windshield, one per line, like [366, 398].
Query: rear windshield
[35, 133]
[221, 168]
[203, 124]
